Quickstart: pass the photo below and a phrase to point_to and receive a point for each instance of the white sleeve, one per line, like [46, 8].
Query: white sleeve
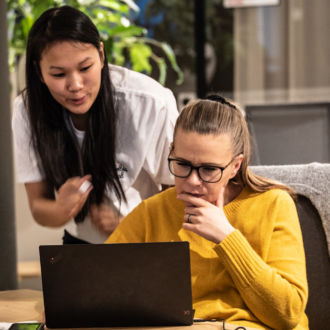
[161, 136]
[26, 165]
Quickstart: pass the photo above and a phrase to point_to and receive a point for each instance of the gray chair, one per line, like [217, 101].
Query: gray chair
[312, 184]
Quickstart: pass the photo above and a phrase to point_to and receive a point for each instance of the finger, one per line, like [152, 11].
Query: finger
[187, 217]
[188, 226]
[84, 183]
[87, 177]
[192, 210]
[220, 201]
[84, 187]
[196, 201]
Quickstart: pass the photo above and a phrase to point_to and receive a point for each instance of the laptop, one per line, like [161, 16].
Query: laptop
[105, 285]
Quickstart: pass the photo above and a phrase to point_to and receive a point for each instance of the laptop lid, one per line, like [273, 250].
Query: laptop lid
[102, 285]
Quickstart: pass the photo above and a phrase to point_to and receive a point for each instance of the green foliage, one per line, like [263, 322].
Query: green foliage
[125, 42]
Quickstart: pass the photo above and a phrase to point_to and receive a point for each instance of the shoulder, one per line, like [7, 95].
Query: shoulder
[267, 210]
[132, 84]
[278, 202]
[278, 195]
[19, 105]
[160, 203]
[154, 206]
[273, 198]
[271, 194]
[19, 112]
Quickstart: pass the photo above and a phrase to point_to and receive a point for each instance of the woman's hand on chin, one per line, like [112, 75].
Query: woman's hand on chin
[206, 219]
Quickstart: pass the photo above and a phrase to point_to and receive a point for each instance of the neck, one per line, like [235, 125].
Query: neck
[231, 192]
[79, 121]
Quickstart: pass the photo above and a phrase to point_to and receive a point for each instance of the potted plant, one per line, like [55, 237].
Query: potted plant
[125, 42]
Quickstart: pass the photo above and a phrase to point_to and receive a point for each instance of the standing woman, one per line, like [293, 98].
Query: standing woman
[82, 121]
[246, 249]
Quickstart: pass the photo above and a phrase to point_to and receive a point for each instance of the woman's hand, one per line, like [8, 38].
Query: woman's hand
[206, 219]
[104, 217]
[71, 197]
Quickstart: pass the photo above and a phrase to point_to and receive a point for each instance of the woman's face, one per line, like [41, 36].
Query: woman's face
[72, 73]
[212, 150]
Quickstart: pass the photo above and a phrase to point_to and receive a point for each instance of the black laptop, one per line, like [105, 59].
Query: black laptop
[105, 285]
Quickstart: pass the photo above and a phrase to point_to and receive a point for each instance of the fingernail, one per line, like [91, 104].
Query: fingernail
[84, 187]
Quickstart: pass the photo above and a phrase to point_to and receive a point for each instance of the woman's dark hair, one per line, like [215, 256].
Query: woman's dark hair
[54, 142]
[218, 115]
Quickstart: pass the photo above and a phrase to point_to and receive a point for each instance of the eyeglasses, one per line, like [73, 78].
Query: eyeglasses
[207, 173]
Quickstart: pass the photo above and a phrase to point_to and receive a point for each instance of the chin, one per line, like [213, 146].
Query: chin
[77, 111]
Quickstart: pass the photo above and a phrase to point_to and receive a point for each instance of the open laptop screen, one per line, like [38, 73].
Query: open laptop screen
[102, 285]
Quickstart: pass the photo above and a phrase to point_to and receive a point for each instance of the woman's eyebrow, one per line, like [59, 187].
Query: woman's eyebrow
[201, 164]
[61, 68]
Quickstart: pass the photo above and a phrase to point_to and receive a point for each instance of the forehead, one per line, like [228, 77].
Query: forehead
[203, 148]
[68, 52]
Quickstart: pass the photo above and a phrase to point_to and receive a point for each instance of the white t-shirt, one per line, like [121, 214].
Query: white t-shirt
[146, 117]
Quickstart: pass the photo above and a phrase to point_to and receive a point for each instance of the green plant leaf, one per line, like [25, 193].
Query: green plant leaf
[119, 57]
[140, 54]
[171, 56]
[114, 5]
[167, 49]
[132, 5]
[124, 32]
[162, 67]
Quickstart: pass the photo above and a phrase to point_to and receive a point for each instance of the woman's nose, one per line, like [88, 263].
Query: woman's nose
[75, 83]
[194, 178]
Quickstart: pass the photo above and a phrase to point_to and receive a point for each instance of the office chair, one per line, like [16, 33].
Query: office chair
[311, 182]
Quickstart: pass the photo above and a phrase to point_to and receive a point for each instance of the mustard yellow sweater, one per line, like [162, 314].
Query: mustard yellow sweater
[255, 277]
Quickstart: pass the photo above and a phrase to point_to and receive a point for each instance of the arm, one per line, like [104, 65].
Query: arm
[45, 208]
[276, 293]
[48, 210]
[273, 282]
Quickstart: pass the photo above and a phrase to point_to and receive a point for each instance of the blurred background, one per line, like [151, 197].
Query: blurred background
[269, 56]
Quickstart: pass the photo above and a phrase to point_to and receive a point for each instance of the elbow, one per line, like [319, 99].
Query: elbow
[35, 215]
[285, 313]
[39, 219]
[47, 219]
[296, 315]
[289, 322]
[292, 313]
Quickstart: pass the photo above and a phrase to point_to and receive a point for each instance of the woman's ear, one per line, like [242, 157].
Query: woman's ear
[237, 165]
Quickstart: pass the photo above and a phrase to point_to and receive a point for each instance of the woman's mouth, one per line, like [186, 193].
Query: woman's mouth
[78, 101]
[194, 194]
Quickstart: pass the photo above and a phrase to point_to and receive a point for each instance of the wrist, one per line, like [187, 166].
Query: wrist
[225, 232]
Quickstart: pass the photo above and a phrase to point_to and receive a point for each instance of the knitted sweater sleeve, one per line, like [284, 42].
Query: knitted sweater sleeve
[274, 287]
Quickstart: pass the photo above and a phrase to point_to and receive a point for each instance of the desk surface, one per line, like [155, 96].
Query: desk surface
[25, 305]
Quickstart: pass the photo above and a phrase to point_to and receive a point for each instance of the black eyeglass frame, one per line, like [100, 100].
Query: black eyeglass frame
[197, 168]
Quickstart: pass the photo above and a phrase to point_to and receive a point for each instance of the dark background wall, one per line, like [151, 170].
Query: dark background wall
[8, 278]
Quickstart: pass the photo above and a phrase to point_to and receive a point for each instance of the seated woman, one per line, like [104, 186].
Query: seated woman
[247, 254]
